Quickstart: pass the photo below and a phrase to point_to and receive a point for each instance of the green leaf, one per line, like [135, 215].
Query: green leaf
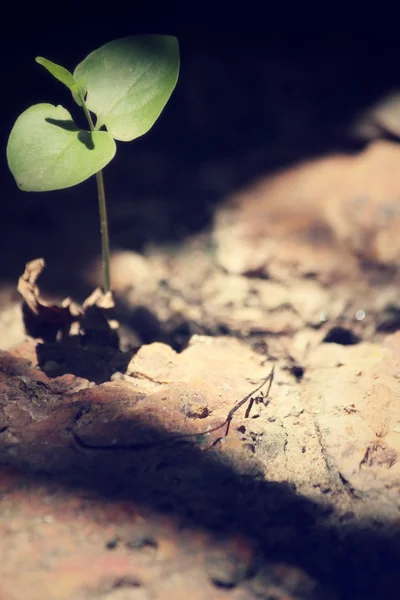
[47, 151]
[129, 81]
[57, 71]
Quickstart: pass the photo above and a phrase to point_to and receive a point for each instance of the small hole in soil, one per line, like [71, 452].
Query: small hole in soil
[142, 543]
[126, 582]
[342, 336]
[241, 429]
[83, 410]
[297, 372]
[223, 330]
[180, 336]
[112, 543]
[225, 585]
[260, 346]
[250, 447]
[257, 274]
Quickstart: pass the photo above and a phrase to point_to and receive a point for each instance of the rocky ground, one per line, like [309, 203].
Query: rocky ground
[137, 472]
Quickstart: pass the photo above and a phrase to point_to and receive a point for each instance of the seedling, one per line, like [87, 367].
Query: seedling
[125, 84]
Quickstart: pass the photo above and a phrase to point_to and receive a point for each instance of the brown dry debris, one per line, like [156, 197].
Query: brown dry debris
[39, 313]
[94, 321]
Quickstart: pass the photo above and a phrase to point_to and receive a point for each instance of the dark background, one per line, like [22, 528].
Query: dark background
[260, 88]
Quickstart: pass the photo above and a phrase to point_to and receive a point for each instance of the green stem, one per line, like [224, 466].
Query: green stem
[105, 243]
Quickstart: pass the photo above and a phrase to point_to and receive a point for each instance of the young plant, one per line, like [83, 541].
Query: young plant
[125, 84]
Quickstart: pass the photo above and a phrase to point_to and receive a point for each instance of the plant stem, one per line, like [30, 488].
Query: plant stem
[105, 243]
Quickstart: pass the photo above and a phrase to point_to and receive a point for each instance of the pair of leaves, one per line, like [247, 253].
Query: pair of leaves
[125, 83]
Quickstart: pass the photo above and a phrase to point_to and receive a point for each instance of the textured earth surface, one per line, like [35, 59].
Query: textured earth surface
[243, 442]
[122, 475]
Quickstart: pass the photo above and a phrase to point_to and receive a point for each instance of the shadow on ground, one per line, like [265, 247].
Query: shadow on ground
[197, 488]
